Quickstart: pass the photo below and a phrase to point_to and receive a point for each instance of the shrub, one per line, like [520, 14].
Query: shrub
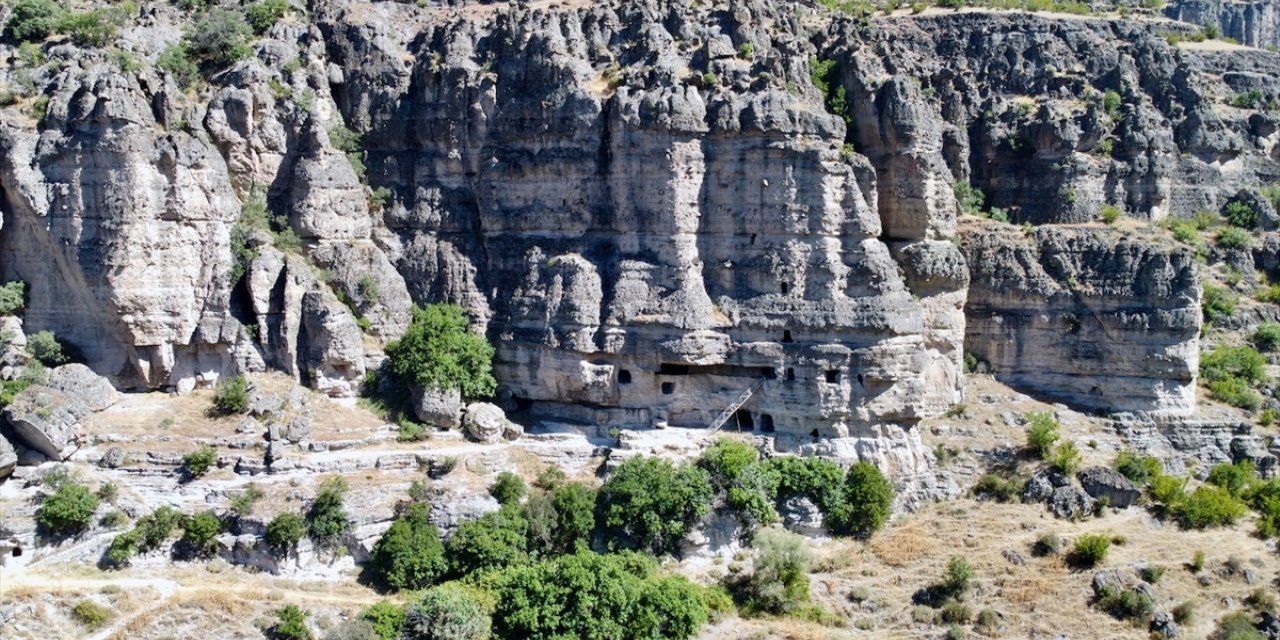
[1168, 490]
[1260, 600]
[1234, 239]
[957, 578]
[866, 504]
[825, 76]
[492, 541]
[291, 623]
[219, 38]
[1217, 303]
[232, 395]
[1264, 497]
[242, 504]
[90, 614]
[176, 61]
[817, 479]
[123, 547]
[327, 521]
[439, 351]
[68, 511]
[285, 530]
[1066, 459]
[1234, 362]
[1235, 392]
[262, 15]
[1209, 506]
[1138, 468]
[1111, 103]
[198, 462]
[1089, 550]
[779, 581]
[1125, 604]
[96, 28]
[48, 349]
[1110, 213]
[508, 488]
[587, 595]
[1185, 232]
[994, 487]
[562, 521]
[355, 629]
[1235, 478]
[1267, 337]
[409, 555]
[1047, 544]
[1236, 626]
[1042, 433]
[448, 612]
[387, 619]
[650, 504]
[11, 297]
[748, 485]
[34, 20]
[200, 530]
[1240, 215]
[1184, 613]
[155, 528]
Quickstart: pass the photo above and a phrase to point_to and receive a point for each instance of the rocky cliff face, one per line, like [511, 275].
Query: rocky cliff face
[1256, 24]
[1090, 316]
[648, 206]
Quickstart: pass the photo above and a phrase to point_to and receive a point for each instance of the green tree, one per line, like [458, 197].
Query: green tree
[779, 581]
[232, 395]
[49, 349]
[650, 504]
[198, 462]
[11, 297]
[867, 502]
[68, 511]
[508, 488]
[387, 618]
[176, 61]
[747, 484]
[262, 15]
[291, 623]
[34, 20]
[219, 38]
[493, 541]
[821, 481]
[439, 351]
[449, 612]
[327, 520]
[1042, 433]
[586, 595]
[200, 532]
[285, 531]
[409, 555]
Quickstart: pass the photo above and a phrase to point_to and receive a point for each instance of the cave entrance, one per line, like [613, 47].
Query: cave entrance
[786, 335]
[766, 423]
[624, 377]
[832, 376]
[744, 419]
[668, 388]
[791, 374]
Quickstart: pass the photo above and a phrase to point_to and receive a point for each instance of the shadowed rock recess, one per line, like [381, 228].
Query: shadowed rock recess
[647, 205]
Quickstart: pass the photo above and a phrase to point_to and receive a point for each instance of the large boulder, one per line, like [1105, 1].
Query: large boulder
[1071, 502]
[485, 422]
[46, 420]
[80, 381]
[442, 409]
[1102, 483]
[8, 458]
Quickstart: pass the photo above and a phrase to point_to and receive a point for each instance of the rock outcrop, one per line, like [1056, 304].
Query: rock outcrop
[1255, 23]
[46, 420]
[1091, 316]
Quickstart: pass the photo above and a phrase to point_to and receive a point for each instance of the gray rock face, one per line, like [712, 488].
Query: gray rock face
[46, 420]
[1163, 625]
[800, 515]
[485, 422]
[1103, 483]
[1093, 318]
[1071, 502]
[81, 382]
[441, 409]
[8, 458]
[1256, 23]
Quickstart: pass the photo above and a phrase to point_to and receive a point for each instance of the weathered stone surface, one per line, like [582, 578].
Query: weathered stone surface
[441, 409]
[1096, 318]
[8, 458]
[485, 422]
[1163, 625]
[112, 459]
[46, 420]
[800, 515]
[81, 382]
[1255, 23]
[1071, 502]
[1103, 483]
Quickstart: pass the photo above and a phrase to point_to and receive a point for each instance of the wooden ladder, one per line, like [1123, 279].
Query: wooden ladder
[735, 405]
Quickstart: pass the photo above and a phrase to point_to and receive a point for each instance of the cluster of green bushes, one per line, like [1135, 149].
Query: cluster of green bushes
[219, 38]
[973, 202]
[1042, 442]
[1217, 303]
[1233, 374]
[825, 75]
[12, 297]
[565, 535]
[1229, 492]
[69, 510]
[35, 20]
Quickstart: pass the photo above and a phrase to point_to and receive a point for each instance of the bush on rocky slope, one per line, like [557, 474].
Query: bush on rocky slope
[439, 351]
[409, 555]
[649, 503]
[68, 511]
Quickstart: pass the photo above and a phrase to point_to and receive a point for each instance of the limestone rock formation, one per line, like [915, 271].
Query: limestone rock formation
[1255, 23]
[46, 420]
[82, 383]
[8, 458]
[1103, 483]
[1093, 317]
[439, 408]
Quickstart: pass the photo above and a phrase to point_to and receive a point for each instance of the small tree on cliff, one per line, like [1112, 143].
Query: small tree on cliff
[439, 351]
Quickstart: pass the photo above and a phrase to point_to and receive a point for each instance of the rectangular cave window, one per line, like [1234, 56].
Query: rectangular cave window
[791, 374]
[668, 388]
[668, 369]
[766, 423]
[745, 422]
[832, 375]
[786, 335]
[768, 373]
[624, 377]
